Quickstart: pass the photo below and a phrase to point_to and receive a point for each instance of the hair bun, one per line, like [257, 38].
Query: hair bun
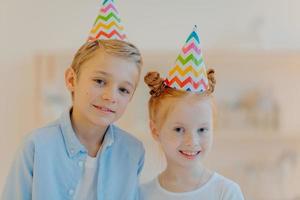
[211, 80]
[155, 83]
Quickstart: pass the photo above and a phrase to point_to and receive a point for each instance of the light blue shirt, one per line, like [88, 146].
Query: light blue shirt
[50, 164]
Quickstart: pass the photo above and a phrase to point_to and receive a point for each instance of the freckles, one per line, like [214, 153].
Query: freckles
[204, 142]
[87, 94]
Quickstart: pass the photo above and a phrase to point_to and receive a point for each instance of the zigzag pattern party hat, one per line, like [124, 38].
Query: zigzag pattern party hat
[108, 23]
[189, 73]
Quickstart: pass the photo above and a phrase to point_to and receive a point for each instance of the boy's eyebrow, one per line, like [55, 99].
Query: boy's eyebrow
[108, 74]
[102, 72]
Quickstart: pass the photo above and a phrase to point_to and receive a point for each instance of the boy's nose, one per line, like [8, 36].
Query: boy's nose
[109, 95]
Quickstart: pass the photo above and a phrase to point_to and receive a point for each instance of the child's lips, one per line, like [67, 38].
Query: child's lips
[104, 109]
[190, 154]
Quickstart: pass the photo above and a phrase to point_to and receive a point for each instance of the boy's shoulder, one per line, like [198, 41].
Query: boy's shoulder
[47, 132]
[122, 136]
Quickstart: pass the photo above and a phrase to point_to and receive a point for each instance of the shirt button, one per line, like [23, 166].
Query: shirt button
[80, 163]
[71, 192]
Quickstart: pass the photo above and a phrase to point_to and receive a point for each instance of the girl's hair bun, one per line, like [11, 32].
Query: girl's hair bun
[211, 80]
[155, 83]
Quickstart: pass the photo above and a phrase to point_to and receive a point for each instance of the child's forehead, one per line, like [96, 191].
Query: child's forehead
[188, 100]
[110, 65]
[190, 114]
[188, 105]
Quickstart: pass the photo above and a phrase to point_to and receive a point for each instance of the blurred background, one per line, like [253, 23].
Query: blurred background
[253, 45]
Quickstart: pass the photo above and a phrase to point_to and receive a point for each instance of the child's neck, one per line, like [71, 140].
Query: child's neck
[90, 136]
[180, 179]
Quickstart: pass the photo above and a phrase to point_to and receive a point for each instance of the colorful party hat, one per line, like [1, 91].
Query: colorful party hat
[189, 73]
[108, 23]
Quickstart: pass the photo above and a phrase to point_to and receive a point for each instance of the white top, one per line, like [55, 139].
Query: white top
[87, 187]
[217, 188]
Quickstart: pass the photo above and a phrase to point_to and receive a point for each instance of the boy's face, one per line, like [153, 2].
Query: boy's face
[186, 134]
[104, 87]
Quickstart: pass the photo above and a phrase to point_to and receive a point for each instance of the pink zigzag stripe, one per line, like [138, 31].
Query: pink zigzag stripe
[110, 6]
[191, 46]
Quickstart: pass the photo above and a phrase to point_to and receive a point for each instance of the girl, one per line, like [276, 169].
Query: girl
[181, 111]
[82, 155]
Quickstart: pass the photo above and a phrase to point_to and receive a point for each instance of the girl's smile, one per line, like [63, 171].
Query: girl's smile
[190, 155]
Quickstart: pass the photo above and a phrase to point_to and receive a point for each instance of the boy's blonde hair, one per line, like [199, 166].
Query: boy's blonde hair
[118, 48]
[158, 111]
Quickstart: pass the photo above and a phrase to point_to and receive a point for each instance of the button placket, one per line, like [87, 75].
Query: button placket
[80, 163]
[71, 192]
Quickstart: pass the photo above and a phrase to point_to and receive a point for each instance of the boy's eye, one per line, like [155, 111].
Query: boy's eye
[179, 129]
[202, 130]
[124, 90]
[100, 82]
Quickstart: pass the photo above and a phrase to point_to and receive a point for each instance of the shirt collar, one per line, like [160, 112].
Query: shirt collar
[72, 143]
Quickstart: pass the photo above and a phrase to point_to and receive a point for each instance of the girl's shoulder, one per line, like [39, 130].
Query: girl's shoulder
[222, 180]
[149, 188]
[149, 184]
[228, 188]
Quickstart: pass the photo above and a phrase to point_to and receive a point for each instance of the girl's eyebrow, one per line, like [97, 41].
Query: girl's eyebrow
[178, 123]
[205, 124]
[202, 124]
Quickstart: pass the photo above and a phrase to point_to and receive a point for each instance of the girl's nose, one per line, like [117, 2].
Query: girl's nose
[191, 139]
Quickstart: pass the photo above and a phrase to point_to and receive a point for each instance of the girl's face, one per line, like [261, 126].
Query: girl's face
[104, 88]
[186, 134]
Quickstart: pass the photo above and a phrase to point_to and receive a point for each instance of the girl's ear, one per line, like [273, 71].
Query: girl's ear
[154, 130]
[70, 78]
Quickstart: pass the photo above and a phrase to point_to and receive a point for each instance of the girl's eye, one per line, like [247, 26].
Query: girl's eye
[100, 82]
[179, 129]
[202, 130]
[124, 91]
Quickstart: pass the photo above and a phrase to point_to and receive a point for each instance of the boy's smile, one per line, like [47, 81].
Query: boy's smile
[104, 109]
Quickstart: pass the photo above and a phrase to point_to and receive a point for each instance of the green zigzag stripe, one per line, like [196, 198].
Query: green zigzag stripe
[107, 18]
[187, 59]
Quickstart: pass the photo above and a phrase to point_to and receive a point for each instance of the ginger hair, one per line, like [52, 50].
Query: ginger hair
[159, 91]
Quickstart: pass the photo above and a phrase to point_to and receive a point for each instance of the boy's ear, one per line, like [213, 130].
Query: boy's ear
[154, 130]
[70, 78]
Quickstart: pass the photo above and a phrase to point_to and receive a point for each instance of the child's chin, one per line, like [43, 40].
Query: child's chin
[189, 162]
[102, 122]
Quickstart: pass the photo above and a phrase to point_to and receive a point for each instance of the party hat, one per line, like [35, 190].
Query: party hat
[189, 73]
[108, 23]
